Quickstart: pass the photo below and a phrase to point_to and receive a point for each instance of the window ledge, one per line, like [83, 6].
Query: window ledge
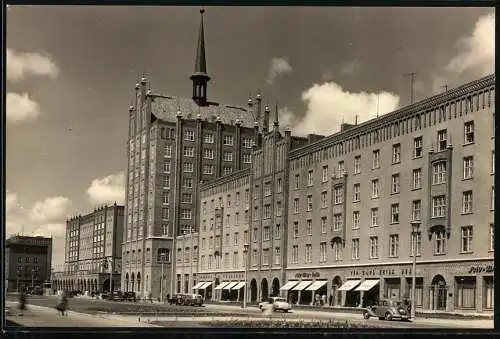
[394, 193]
[417, 157]
[466, 213]
[466, 179]
[466, 252]
[416, 189]
[394, 223]
[439, 254]
[468, 143]
[375, 197]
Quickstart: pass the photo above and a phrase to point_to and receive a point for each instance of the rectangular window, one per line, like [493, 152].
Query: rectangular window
[337, 222]
[165, 213]
[356, 192]
[442, 140]
[297, 181]
[394, 213]
[247, 158]
[340, 169]
[374, 217]
[493, 162]
[438, 206]
[186, 214]
[265, 257]
[166, 166]
[439, 172]
[492, 198]
[322, 252]
[466, 239]
[208, 169]
[418, 237]
[324, 176]
[188, 167]
[324, 199]
[469, 132]
[166, 198]
[228, 170]
[308, 253]
[492, 237]
[279, 186]
[375, 188]
[323, 225]
[416, 210]
[309, 203]
[466, 293]
[267, 233]
[228, 140]
[208, 153]
[357, 164]
[267, 189]
[267, 211]
[295, 254]
[395, 183]
[227, 156]
[376, 159]
[467, 202]
[355, 249]
[187, 182]
[310, 178]
[295, 229]
[468, 167]
[417, 147]
[208, 138]
[168, 151]
[439, 243]
[247, 143]
[417, 178]
[296, 205]
[393, 245]
[188, 151]
[278, 209]
[337, 251]
[373, 247]
[338, 195]
[396, 153]
[187, 198]
[355, 220]
[309, 227]
[277, 231]
[189, 135]
[277, 256]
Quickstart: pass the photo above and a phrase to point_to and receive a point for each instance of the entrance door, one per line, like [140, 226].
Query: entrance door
[441, 298]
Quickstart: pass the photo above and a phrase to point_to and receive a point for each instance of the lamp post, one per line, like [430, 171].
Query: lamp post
[17, 281]
[245, 288]
[110, 274]
[162, 258]
[414, 232]
[191, 254]
[32, 278]
[183, 277]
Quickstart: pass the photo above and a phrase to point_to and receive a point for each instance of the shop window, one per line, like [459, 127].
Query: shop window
[489, 293]
[465, 297]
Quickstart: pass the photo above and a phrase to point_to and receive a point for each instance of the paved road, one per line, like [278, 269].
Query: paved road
[174, 314]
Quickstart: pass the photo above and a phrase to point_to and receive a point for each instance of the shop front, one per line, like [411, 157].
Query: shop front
[221, 286]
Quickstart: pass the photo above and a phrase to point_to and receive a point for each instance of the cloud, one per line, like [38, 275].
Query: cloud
[49, 210]
[21, 65]
[278, 67]
[108, 190]
[20, 108]
[45, 218]
[350, 68]
[286, 117]
[329, 103]
[476, 51]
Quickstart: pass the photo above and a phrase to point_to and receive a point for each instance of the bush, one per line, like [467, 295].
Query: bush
[287, 324]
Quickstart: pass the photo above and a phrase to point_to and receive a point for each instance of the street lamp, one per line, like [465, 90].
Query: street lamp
[414, 232]
[32, 278]
[162, 258]
[110, 274]
[245, 288]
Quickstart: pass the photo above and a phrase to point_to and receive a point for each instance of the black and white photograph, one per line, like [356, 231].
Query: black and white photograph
[249, 167]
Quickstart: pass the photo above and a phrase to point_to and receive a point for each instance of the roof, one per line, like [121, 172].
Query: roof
[165, 108]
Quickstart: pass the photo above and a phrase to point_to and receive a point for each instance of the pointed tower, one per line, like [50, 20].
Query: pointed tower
[276, 123]
[200, 77]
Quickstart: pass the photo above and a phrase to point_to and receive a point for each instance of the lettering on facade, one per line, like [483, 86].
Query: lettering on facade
[380, 272]
[307, 275]
[481, 269]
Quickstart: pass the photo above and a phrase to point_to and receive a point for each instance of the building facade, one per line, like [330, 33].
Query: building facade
[339, 218]
[27, 262]
[93, 255]
[355, 195]
[174, 144]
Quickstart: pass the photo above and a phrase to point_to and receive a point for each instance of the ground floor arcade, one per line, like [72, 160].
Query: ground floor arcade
[446, 286]
[90, 283]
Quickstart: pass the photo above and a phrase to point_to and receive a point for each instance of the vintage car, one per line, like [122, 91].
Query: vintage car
[179, 299]
[193, 300]
[276, 304]
[387, 309]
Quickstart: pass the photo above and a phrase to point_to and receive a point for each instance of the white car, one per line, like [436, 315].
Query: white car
[275, 304]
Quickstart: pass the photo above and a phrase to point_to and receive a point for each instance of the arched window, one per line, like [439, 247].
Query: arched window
[163, 255]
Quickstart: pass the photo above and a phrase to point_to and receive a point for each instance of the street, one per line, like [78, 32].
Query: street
[91, 312]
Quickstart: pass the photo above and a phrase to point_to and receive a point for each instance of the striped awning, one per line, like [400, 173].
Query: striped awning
[367, 285]
[230, 285]
[303, 284]
[289, 285]
[239, 285]
[198, 285]
[221, 285]
[316, 285]
[349, 285]
[205, 285]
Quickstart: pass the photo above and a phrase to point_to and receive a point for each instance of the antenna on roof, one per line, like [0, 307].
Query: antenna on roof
[378, 103]
[445, 86]
[356, 119]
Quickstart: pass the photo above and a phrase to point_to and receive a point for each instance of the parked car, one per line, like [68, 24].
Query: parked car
[277, 304]
[115, 296]
[387, 309]
[193, 300]
[179, 299]
[129, 296]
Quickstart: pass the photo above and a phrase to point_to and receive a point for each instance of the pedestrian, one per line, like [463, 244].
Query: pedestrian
[150, 297]
[62, 305]
[323, 300]
[317, 299]
[330, 299]
[22, 302]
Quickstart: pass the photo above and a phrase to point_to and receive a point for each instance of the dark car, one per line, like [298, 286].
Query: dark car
[388, 309]
[193, 300]
[115, 296]
[179, 299]
[130, 296]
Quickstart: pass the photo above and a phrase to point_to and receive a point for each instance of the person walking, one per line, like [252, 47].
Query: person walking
[22, 302]
[62, 305]
[330, 299]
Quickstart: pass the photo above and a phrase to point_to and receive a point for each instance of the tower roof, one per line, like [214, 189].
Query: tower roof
[200, 66]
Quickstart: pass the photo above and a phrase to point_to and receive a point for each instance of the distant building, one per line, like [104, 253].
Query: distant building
[27, 262]
[93, 251]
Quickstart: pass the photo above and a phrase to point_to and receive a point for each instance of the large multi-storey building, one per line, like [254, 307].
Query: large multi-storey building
[93, 251]
[342, 216]
[174, 144]
[27, 262]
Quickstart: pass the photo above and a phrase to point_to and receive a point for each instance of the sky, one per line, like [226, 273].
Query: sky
[71, 73]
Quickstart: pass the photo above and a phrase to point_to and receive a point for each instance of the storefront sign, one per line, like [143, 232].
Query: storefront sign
[381, 272]
[307, 275]
[482, 269]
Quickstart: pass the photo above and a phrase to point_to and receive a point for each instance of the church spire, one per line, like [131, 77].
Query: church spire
[200, 77]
